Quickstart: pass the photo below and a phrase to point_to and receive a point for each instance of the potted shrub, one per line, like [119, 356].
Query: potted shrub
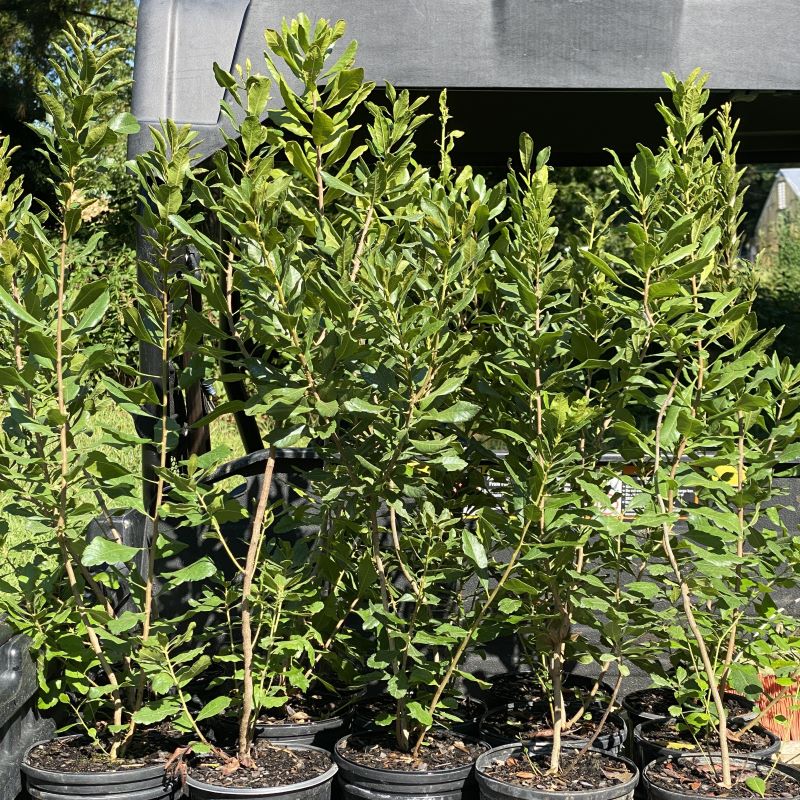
[283, 614]
[553, 378]
[94, 668]
[318, 305]
[407, 469]
[551, 390]
[720, 419]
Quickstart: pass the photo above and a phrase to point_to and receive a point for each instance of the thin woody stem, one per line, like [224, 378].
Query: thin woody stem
[251, 562]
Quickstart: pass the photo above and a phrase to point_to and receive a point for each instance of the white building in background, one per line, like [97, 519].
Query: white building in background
[784, 194]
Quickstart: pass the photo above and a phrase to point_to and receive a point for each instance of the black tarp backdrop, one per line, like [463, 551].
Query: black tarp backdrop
[579, 75]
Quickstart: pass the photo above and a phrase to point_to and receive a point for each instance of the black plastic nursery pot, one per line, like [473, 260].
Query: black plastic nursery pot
[611, 739]
[138, 783]
[645, 749]
[370, 783]
[654, 791]
[470, 710]
[738, 707]
[322, 733]
[493, 789]
[318, 788]
[514, 687]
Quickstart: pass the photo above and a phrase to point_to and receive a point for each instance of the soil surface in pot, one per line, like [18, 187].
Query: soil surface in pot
[467, 709]
[441, 750]
[525, 687]
[668, 735]
[690, 777]
[658, 700]
[304, 708]
[81, 754]
[300, 710]
[521, 724]
[591, 771]
[274, 766]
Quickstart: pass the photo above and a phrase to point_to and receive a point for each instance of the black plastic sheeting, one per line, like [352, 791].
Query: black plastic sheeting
[579, 75]
[20, 723]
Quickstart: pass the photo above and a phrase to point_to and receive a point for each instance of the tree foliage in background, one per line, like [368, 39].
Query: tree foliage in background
[28, 29]
[778, 303]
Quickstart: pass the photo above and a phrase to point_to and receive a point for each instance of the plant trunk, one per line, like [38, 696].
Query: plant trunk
[256, 538]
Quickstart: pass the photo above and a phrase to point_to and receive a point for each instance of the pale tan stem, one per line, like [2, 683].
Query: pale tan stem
[588, 698]
[601, 724]
[251, 562]
[396, 543]
[61, 523]
[456, 660]
[730, 650]
[362, 240]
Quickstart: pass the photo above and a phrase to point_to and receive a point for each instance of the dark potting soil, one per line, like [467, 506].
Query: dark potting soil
[299, 710]
[659, 699]
[534, 722]
[273, 766]
[441, 750]
[465, 708]
[691, 777]
[591, 771]
[302, 709]
[525, 687]
[81, 754]
[666, 734]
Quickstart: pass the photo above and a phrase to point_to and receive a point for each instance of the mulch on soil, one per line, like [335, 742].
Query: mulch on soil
[658, 700]
[302, 709]
[80, 754]
[525, 687]
[533, 722]
[689, 777]
[529, 770]
[369, 709]
[274, 766]
[441, 750]
[668, 735]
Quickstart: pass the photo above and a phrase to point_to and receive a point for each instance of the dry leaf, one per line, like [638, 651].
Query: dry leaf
[229, 767]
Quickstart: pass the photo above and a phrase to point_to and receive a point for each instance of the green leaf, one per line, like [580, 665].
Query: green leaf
[462, 411]
[525, 150]
[213, 708]
[124, 123]
[420, 714]
[474, 549]
[200, 570]
[362, 406]
[16, 309]
[157, 710]
[508, 605]
[106, 551]
[340, 186]
[757, 785]
[94, 314]
[322, 128]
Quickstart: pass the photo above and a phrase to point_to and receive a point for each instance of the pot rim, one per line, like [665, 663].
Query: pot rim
[622, 727]
[83, 777]
[767, 761]
[234, 791]
[641, 734]
[624, 788]
[355, 766]
[319, 724]
[624, 702]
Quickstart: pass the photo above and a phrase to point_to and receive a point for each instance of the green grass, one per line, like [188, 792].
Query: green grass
[223, 433]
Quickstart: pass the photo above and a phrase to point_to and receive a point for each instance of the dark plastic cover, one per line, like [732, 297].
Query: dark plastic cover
[538, 51]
